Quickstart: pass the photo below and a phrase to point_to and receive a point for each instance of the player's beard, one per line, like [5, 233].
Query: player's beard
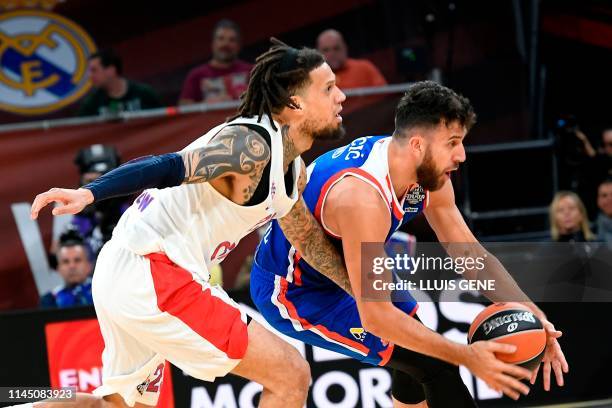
[428, 175]
[330, 132]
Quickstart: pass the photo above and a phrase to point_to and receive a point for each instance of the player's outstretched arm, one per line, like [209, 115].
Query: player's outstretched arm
[307, 236]
[450, 227]
[236, 150]
[381, 317]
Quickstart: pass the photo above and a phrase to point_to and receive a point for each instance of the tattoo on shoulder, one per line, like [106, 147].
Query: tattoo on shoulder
[235, 149]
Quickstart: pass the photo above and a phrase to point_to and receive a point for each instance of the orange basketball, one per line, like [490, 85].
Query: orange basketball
[511, 323]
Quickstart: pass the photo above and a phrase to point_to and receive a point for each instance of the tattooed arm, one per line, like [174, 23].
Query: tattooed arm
[307, 236]
[234, 151]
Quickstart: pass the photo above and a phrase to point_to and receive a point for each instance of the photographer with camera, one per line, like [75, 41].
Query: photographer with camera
[574, 150]
[75, 268]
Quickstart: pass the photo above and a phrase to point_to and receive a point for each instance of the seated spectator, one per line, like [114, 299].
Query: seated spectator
[224, 77]
[75, 268]
[114, 93]
[568, 219]
[604, 219]
[590, 168]
[350, 72]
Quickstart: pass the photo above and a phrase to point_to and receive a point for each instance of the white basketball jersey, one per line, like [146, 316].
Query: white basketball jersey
[196, 226]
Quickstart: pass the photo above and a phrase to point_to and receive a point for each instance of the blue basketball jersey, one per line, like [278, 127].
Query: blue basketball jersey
[365, 158]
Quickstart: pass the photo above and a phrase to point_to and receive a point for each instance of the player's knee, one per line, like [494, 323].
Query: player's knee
[299, 381]
[301, 370]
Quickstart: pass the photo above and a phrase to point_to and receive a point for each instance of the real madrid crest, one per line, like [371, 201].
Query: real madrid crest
[43, 61]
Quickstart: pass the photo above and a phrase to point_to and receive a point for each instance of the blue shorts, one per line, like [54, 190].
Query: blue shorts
[320, 315]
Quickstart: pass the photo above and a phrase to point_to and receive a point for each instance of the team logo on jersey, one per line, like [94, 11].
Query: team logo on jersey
[358, 332]
[43, 61]
[222, 250]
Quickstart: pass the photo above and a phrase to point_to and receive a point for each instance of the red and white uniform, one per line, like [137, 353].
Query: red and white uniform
[150, 286]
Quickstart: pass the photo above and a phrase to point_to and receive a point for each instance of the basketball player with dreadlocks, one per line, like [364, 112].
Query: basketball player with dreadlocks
[150, 286]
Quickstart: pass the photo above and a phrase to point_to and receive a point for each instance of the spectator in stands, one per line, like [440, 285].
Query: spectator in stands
[583, 168]
[604, 219]
[575, 153]
[568, 219]
[75, 268]
[114, 93]
[224, 77]
[350, 72]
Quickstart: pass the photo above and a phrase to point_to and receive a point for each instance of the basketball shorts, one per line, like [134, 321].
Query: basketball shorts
[151, 310]
[323, 315]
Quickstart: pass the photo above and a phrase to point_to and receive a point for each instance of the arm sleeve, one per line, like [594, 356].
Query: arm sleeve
[167, 170]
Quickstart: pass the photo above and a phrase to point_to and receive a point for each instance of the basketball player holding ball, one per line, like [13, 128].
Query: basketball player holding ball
[359, 194]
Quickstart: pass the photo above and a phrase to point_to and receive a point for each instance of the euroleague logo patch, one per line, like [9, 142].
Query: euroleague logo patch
[414, 198]
[43, 61]
[415, 195]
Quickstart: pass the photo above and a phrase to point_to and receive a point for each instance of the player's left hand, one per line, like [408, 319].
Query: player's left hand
[553, 358]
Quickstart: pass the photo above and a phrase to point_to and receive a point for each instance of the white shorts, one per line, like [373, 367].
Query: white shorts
[151, 310]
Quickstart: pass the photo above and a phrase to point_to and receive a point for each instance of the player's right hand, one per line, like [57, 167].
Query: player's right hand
[70, 201]
[502, 377]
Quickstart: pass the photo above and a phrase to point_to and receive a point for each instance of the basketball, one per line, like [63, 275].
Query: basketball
[511, 323]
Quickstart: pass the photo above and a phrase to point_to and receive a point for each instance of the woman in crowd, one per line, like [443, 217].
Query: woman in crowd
[568, 219]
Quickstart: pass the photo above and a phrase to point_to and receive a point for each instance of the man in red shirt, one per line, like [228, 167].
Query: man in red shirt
[350, 72]
[224, 77]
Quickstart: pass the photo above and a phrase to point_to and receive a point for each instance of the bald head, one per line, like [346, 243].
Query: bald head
[331, 44]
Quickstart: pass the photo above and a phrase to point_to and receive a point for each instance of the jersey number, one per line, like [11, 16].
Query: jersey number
[154, 385]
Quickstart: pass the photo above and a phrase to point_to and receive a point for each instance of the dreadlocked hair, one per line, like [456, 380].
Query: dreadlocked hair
[279, 73]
